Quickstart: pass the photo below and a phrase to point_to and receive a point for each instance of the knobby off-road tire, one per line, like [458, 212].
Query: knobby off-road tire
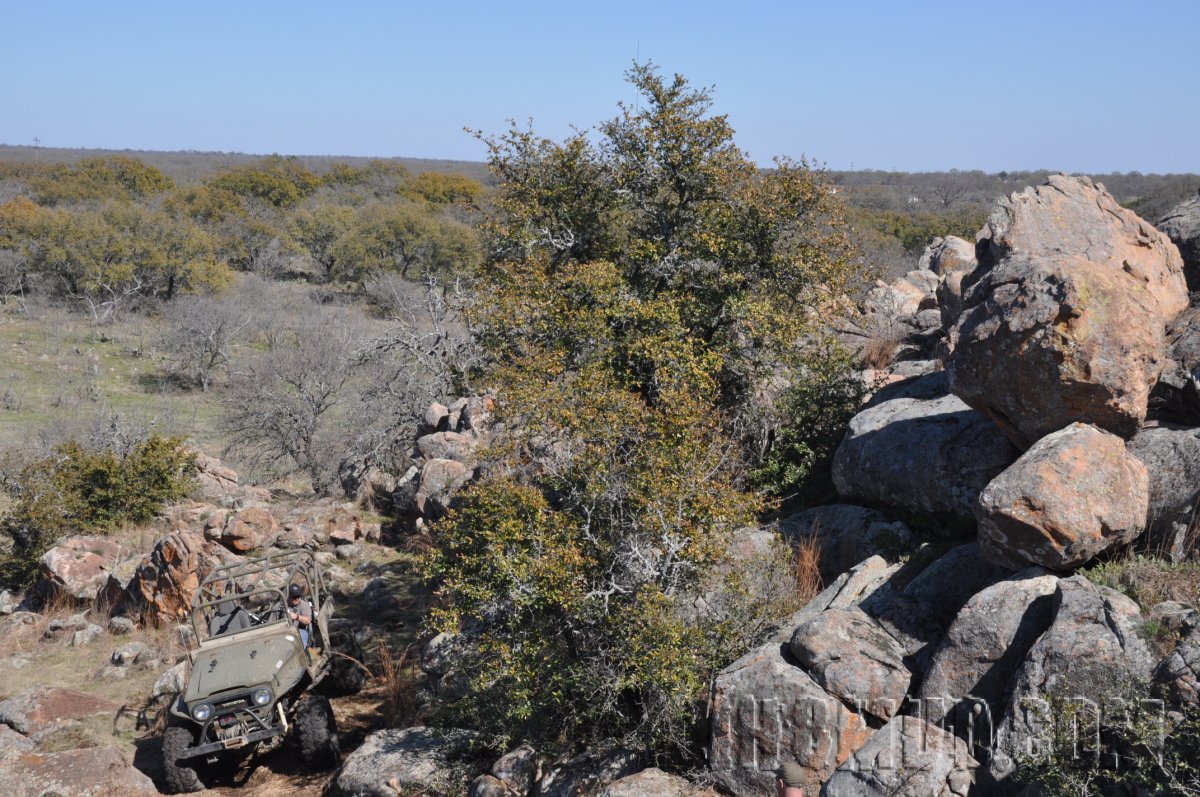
[346, 676]
[180, 777]
[316, 731]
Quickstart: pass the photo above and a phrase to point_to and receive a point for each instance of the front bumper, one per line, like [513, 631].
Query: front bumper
[261, 722]
[235, 743]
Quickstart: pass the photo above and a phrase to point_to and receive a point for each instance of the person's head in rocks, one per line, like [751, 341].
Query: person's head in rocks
[789, 780]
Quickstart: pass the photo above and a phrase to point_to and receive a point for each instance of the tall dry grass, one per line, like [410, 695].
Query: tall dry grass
[806, 568]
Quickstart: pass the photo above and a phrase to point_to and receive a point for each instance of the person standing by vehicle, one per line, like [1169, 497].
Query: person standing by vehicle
[300, 612]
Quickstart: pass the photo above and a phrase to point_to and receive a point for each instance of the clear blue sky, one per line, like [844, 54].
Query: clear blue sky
[1092, 86]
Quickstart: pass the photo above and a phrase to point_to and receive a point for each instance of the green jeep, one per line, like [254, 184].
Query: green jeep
[252, 676]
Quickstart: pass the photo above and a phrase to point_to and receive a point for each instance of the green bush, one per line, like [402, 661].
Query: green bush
[85, 490]
[816, 409]
[1133, 747]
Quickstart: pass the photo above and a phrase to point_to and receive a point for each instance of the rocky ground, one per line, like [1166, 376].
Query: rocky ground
[1016, 527]
[94, 653]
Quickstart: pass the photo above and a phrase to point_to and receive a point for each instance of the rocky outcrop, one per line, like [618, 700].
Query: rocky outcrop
[902, 299]
[652, 782]
[918, 448]
[1172, 459]
[845, 535]
[438, 763]
[906, 758]
[765, 711]
[1090, 653]
[91, 772]
[1074, 494]
[248, 530]
[516, 772]
[1176, 397]
[444, 456]
[591, 770]
[1178, 676]
[1182, 225]
[976, 661]
[38, 709]
[440, 480]
[163, 585]
[854, 659]
[1065, 319]
[78, 567]
[917, 613]
[948, 254]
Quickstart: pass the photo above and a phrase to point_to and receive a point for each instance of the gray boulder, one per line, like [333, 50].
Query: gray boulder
[847, 590]
[1172, 458]
[1176, 396]
[1178, 676]
[918, 612]
[1090, 655]
[651, 782]
[906, 758]
[981, 651]
[518, 770]
[1075, 494]
[45, 706]
[90, 772]
[1182, 226]
[589, 771]
[854, 659]
[846, 535]
[917, 448]
[765, 711]
[435, 762]
[1064, 320]
[947, 255]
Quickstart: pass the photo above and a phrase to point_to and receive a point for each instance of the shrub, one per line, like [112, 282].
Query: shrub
[816, 410]
[639, 298]
[94, 490]
[1131, 746]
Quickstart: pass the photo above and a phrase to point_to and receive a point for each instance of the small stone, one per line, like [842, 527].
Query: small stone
[120, 626]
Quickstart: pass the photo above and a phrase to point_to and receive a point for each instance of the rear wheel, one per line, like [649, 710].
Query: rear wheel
[345, 676]
[180, 777]
[316, 730]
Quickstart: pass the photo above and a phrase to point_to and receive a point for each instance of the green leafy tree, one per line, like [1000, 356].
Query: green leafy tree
[245, 234]
[638, 293]
[115, 177]
[107, 256]
[277, 181]
[445, 189]
[318, 230]
[406, 238]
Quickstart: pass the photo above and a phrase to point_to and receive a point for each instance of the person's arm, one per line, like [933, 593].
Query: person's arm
[303, 618]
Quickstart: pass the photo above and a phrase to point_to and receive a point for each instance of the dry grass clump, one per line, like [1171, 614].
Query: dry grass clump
[806, 566]
[1148, 580]
[880, 352]
[400, 676]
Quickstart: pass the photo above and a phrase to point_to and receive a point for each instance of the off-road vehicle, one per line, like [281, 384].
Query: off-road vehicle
[252, 678]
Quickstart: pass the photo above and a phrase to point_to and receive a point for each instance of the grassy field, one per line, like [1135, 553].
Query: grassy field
[58, 372]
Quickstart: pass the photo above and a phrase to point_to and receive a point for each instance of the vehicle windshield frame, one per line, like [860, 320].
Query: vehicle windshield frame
[243, 582]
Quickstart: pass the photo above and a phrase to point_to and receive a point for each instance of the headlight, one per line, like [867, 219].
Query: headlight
[261, 697]
[201, 712]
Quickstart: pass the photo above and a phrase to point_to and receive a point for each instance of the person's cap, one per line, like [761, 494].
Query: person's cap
[295, 591]
[792, 774]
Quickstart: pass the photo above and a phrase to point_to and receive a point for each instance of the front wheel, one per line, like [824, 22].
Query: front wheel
[180, 777]
[316, 730]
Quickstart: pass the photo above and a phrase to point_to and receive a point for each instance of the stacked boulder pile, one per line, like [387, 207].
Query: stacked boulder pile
[1036, 434]
[445, 458]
